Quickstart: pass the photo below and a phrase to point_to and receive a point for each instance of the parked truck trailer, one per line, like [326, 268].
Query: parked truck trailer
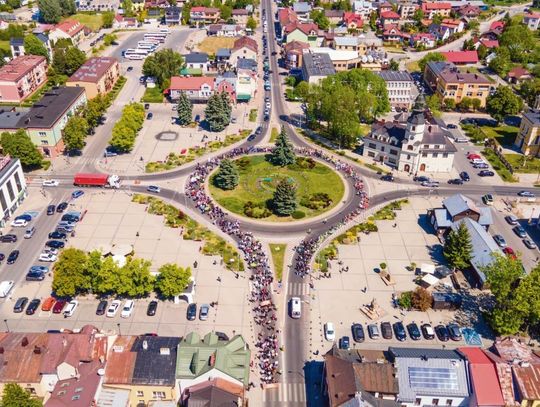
[96, 180]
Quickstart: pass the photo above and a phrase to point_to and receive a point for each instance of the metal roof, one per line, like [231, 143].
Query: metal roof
[196, 58]
[318, 64]
[395, 76]
[302, 7]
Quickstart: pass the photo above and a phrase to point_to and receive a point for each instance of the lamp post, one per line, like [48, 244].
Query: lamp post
[7, 326]
[119, 331]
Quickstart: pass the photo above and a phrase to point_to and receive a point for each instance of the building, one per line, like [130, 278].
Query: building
[334, 16]
[48, 117]
[392, 33]
[21, 77]
[240, 16]
[469, 11]
[419, 145]
[286, 16]
[399, 85]
[124, 22]
[303, 32]
[246, 85]
[446, 80]
[432, 9]
[455, 208]
[431, 377]
[204, 15]
[352, 21]
[244, 48]
[215, 392]
[447, 29]
[426, 40]
[363, 8]
[97, 5]
[389, 18]
[528, 137]
[17, 47]
[173, 15]
[461, 57]
[517, 75]
[68, 29]
[302, 10]
[197, 61]
[13, 188]
[342, 60]
[225, 30]
[532, 20]
[407, 10]
[293, 52]
[316, 67]
[197, 89]
[97, 76]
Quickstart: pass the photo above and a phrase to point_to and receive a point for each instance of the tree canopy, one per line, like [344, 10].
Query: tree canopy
[67, 59]
[162, 65]
[429, 57]
[184, 109]
[172, 280]
[75, 132]
[283, 152]
[227, 175]
[33, 46]
[504, 102]
[14, 395]
[284, 201]
[126, 129]
[458, 248]
[519, 41]
[19, 145]
[218, 111]
[51, 11]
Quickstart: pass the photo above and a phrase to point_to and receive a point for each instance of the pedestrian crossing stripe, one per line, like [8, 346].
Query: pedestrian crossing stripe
[298, 289]
[285, 392]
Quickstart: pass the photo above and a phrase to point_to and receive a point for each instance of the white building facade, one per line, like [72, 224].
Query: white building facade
[13, 188]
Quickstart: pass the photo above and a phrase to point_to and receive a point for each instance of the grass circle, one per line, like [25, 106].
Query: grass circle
[258, 179]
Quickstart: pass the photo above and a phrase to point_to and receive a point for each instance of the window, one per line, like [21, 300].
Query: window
[382, 148]
[435, 155]
[3, 201]
[408, 156]
[18, 182]
[394, 152]
[10, 191]
[424, 154]
[140, 393]
[372, 145]
[426, 145]
[78, 389]
[371, 154]
[76, 397]
[65, 384]
[409, 148]
[436, 146]
[45, 142]
[61, 393]
[435, 402]
[445, 155]
[449, 402]
[158, 394]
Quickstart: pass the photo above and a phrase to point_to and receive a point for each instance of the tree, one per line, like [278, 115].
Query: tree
[70, 277]
[217, 112]
[449, 104]
[468, 45]
[105, 276]
[134, 279]
[373, 20]
[162, 65]
[418, 16]
[284, 201]
[342, 121]
[68, 7]
[94, 110]
[127, 6]
[465, 104]
[185, 110]
[227, 176]
[433, 102]
[14, 395]
[125, 130]
[107, 19]
[251, 23]
[504, 102]
[226, 12]
[394, 65]
[473, 25]
[519, 41]
[483, 51]
[437, 19]
[283, 152]
[75, 132]
[458, 248]
[19, 145]
[501, 64]
[33, 46]
[172, 280]
[529, 90]
[320, 19]
[67, 59]
[421, 299]
[429, 57]
[50, 11]
[476, 104]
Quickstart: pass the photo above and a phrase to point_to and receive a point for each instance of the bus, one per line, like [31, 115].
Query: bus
[149, 47]
[155, 36]
[135, 53]
[155, 43]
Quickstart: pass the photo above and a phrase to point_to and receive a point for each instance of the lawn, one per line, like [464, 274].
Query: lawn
[5, 45]
[210, 45]
[505, 135]
[253, 115]
[412, 66]
[532, 165]
[259, 178]
[92, 21]
[152, 95]
[274, 134]
[278, 258]
[498, 166]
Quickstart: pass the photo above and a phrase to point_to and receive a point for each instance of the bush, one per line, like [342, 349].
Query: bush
[256, 210]
[405, 300]
[421, 299]
[243, 163]
[317, 201]
[298, 215]
[383, 266]
[307, 163]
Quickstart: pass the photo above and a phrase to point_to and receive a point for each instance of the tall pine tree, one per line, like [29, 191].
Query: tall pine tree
[458, 248]
[227, 176]
[185, 110]
[217, 115]
[283, 153]
[284, 202]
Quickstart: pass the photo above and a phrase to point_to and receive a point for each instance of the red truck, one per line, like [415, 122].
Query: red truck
[96, 180]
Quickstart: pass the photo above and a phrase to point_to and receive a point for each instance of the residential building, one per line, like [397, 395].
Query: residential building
[461, 57]
[144, 365]
[363, 8]
[497, 27]
[528, 137]
[486, 42]
[399, 85]
[197, 89]
[97, 76]
[359, 44]
[407, 10]
[302, 10]
[432, 9]
[48, 117]
[342, 60]
[17, 47]
[448, 82]
[334, 16]
[384, 7]
[431, 377]
[517, 75]
[13, 187]
[225, 30]
[392, 33]
[21, 77]
[223, 56]
[303, 32]
[244, 48]
[215, 392]
[426, 40]
[197, 61]
[532, 20]
[68, 29]
[246, 85]
[455, 208]
[247, 64]
[97, 5]
[240, 16]
[447, 29]
[389, 18]
[286, 16]
[293, 52]
[226, 82]
[121, 22]
[173, 15]
[418, 145]
[352, 21]
[469, 11]
[204, 15]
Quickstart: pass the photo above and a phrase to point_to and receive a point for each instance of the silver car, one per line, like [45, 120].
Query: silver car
[203, 312]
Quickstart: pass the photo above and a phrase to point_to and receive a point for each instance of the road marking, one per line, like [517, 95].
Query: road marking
[264, 396]
[284, 387]
[293, 392]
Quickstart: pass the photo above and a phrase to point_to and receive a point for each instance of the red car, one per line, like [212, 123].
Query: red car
[472, 156]
[59, 306]
[510, 253]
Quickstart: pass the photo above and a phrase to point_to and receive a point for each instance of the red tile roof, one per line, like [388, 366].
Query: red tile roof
[70, 27]
[93, 69]
[484, 378]
[207, 10]
[389, 15]
[533, 15]
[191, 83]
[350, 17]
[286, 16]
[245, 42]
[19, 360]
[518, 72]
[19, 67]
[461, 57]
[436, 6]
[392, 29]
[489, 43]
[496, 25]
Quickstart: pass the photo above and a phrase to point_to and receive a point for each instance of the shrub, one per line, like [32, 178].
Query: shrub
[383, 266]
[242, 163]
[256, 210]
[303, 162]
[317, 201]
[405, 300]
[298, 215]
[421, 299]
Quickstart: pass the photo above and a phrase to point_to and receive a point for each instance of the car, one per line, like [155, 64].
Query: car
[48, 304]
[511, 219]
[510, 253]
[59, 306]
[386, 330]
[12, 258]
[35, 276]
[76, 194]
[64, 223]
[153, 188]
[191, 312]
[102, 307]
[57, 235]
[526, 194]
[344, 343]
[529, 243]
[430, 184]
[50, 183]
[19, 223]
[51, 209]
[113, 308]
[358, 333]
[414, 331]
[146, 106]
[473, 156]
[427, 331]
[128, 309]
[29, 232]
[39, 269]
[452, 126]
[65, 228]
[149, 116]
[442, 333]
[421, 178]
[373, 331]
[55, 244]
[152, 308]
[258, 131]
[50, 250]
[500, 240]
[110, 152]
[48, 257]
[488, 199]
[70, 308]
[9, 238]
[129, 68]
[399, 331]
[464, 175]
[268, 105]
[486, 173]
[204, 310]
[329, 332]
[61, 207]
[233, 120]
[25, 217]
[518, 230]
[251, 137]
[455, 181]
[20, 305]
[387, 177]
[455, 333]
[481, 166]
[33, 306]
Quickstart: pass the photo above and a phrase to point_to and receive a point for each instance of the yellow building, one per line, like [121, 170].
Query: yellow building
[97, 76]
[528, 138]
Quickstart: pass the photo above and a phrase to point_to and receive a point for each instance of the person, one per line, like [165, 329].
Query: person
[141, 158]
[137, 234]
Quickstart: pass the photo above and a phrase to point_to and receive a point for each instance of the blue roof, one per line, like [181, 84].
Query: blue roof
[442, 218]
[16, 41]
[246, 63]
[301, 7]
[223, 52]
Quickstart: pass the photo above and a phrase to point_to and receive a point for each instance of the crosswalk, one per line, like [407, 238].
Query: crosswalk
[298, 289]
[285, 393]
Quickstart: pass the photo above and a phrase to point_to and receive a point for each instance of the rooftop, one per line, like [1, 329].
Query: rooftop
[461, 57]
[196, 57]
[336, 55]
[301, 7]
[216, 392]
[70, 27]
[10, 118]
[533, 116]
[395, 76]
[19, 67]
[93, 69]
[451, 74]
[191, 83]
[318, 64]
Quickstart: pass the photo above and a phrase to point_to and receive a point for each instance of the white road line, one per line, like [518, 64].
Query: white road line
[293, 391]
[264, 396]
[302, 395]
[284, 386]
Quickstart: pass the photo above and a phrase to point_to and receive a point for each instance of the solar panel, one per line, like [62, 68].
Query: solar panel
[433, 378]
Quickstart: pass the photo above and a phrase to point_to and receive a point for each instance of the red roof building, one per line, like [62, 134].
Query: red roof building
[286, 16]
[461, 57]
[196, 88]
[469, 11]
[440, 8]
[246, 42]
[497, 27]
[389, 17]
[392, 33]
[352, 21]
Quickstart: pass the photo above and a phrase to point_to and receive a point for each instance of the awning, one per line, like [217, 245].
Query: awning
[430, 280]
[427, 268]
[245, 98]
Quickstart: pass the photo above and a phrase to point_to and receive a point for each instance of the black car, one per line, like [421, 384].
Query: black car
[70, 218]
[149, 116]
[251, 137]
[358, 333]
[147, 106]
[61, 207]
[57, 235]
[452, 126]
[455, 181]
[12, 258]
[192, 312]
[35, 276]
[152, 308]
[399, 331]
[55, 244]
[427, 331]
[25, 217]
[8, 238]
[486, 173]
[2, 256]
[387, 177]
[51, 209]
[344, 343]
[455, 333]
[20, 304]
[442, 333]
[464, 176]
[102, 307]
[421, 178]
[33, 306]
[414, 331]
[386, 330]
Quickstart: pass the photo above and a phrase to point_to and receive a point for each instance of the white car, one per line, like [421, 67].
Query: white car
[48, 257]
[71, 307]
[50, 183]
[128, 309]
[268, 105]
[113, 308]
[19, 223]
[153, 188]
[50, 250]
[329, 332]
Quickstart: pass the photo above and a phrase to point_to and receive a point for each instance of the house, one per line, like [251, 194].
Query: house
[293, 52]
[440, 8]
[240, 16]
[303, 32]
[302, 10]
[247, 63]
[446, 29]
[428, 377]
[121, 22]
[426, 40]
[173, 15]
[144, 365]
[17, 45]
[223, 56]
[469, 11]
[246, 85]
[407, 10]
[197, 89]
[384, 7]
[197, 61]
[69, 29]
[21, 77]
[286, 16]
[244, 47]
[455, 208]
[97, 76]
[155, 6]
[97, 5]
[316, 67]
[352, 21]
[226, 82]
[334, 16]
[447, 81]
[399, 85]
[13, 188]
[517, 75]
[528, 137]
[204, 15]
[363, 8]
[389, 18]
[497, 27]
[532, 20]
[215, 392]
[486, 42]
[225, 30]
[138, 5]
[342, 60]
[201, 360]
[392, 33]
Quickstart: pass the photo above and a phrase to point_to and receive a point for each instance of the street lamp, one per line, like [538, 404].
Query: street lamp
[7, 326]
[119, 331]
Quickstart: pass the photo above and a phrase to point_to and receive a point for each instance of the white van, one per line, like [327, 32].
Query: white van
[296, 308]
[70, 309]
[5, 288]
[128, 309]
[477, 161]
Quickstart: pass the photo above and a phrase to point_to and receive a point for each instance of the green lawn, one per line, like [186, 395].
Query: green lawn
[278, 257]
[412, 66]
[152, 95]
[274, 134]
[5, 45]
[505, 135]
[532, 165]
[258, 180]
[498, 166]
[253, 115]
[92, 21]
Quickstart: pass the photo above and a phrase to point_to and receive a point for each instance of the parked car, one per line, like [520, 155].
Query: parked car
[9, 238]
[399, 331]
[25, 217]
[204, 310]
[102, 307]
[191, 312]
[386, 330]
[57, 235]
[153, 188]
[55, 244]
[518, 230]
[442, 333]
[113, 308]
[529, 243]
[48, 304]
[387, 177]
[430, 184]
[29, 232]
[35, 276]
[20, 304]
[51, 209]
[70, 308]
[510, 253]
[48, 257]
[488, 199]
[149, 116]
[455, 181]
[486, 173]
[481, 166]
[13, 256]
[511, 219]
[421, 178]
[61, 207]
[500, 240]
[414, 331]
[455, 333]
[152, 308]
[373, 331]
[33, 306]
[76, 194]
[464, 176]
[344, 343]
[329, 332]
[358, 333]
[428, 331]
[451, 126]
[526, 194]
[70, 217]
[128, 309]
[19, 223]
[59, 306]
